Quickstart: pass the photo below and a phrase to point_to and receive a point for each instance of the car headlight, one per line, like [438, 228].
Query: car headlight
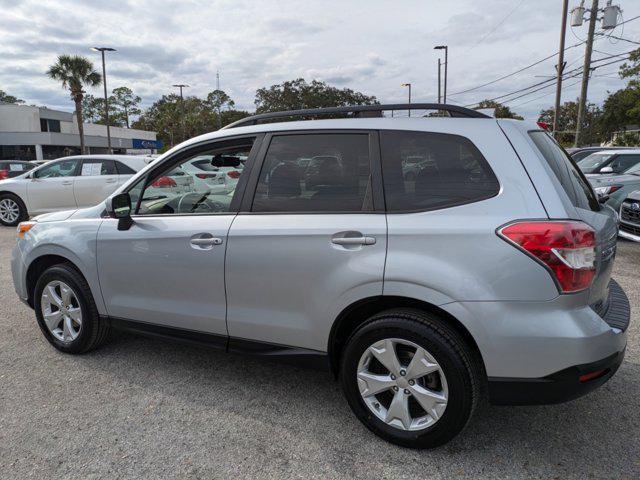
[607, 190]
[24, 227]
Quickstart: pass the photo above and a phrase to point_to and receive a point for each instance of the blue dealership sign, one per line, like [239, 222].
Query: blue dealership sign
[148, 144]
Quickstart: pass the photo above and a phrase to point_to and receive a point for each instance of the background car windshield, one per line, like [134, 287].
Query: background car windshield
[593, 162]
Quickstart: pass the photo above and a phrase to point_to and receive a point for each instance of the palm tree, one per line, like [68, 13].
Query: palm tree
[75, 72]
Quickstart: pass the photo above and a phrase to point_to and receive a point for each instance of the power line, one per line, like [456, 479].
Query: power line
[500, 23]
[532, 65]
[547, 83]
[545, 95]
[620, 38]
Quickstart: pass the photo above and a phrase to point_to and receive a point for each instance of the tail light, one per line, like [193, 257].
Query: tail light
[544, 125]
[565, 248]
[4, 174]
[164, 182]
[235, 174]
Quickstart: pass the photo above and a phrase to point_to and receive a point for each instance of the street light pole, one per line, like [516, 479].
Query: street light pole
[439, 80]
[586, 71]
[106, 98]
[563, 34]
[446, 67]
[181, 86]
[408, 85]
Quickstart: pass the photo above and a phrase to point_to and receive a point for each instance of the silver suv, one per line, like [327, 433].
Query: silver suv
[486, 274]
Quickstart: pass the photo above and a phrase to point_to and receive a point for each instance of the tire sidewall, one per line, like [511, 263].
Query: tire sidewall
[459, 404]
[70, 277]
[23, 210]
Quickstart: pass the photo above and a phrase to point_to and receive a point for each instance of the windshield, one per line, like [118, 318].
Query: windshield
[594, 162]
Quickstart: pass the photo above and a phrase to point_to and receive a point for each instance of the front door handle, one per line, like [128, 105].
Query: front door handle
[364, 240]
[111, 180]
[203, 242]
[68, 182]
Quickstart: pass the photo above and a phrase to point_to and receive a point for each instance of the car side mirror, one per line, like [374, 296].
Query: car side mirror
[602, 199]
[606, 170]
[119, 206]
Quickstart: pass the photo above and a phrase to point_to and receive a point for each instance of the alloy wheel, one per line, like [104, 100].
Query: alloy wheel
[402, 384]
[9, 210]
[61, 311]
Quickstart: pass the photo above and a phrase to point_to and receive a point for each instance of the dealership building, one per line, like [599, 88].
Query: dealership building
[38, 133]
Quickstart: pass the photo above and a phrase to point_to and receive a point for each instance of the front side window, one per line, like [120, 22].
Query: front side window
[320, 172]
[63, 168]
[188, 189]
[93, 168]
[426, 171]
[594, 162]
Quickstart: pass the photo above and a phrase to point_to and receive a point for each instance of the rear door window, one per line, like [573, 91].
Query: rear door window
[323, 172]
[95, 167]
[123, 169]
[426, 171]
[566, 171]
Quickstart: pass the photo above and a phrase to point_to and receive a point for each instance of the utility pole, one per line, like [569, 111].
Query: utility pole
[218, 89]
[439, 80]
[563, 34]
[586, 70]
[408, 85]
[181, 86]
[106, 98]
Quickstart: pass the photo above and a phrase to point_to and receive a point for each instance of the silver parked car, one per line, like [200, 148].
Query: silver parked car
[487, 274]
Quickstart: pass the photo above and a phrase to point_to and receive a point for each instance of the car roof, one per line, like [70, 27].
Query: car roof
[630, 151]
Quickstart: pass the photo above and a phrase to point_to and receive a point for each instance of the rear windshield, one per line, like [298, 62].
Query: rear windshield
[566, 171]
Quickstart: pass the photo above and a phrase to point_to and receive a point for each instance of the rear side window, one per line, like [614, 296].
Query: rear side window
[94, 167]
[315, 173]
[566, 171]
[426, 171]
[123, 169]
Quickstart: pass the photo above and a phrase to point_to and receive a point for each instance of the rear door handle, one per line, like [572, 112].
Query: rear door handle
[111, 180]
[68, 182]
[364, 240]
[203, 242]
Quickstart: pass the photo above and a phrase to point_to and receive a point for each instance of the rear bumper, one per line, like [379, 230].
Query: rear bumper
[567, 383]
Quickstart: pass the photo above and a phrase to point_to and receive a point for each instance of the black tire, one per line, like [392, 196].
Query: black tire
[22, 215]
[462, 368]
[94, 330]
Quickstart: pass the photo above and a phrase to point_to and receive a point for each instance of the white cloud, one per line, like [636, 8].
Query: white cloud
[371, 46]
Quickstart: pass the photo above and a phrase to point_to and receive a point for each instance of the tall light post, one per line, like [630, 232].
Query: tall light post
[106, 98]
[563, 34]
[181, 86]
[446, 67]
[439, 80]
[408, 85]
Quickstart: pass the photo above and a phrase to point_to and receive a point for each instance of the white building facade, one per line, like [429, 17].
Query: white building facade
[38, 133]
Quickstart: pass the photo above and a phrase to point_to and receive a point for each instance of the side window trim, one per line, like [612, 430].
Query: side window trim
[180, 155]
[375, 168]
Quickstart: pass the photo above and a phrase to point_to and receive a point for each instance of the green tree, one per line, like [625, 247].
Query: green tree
[567, 116]
[501, 111]
[125, 105]
[92, 109]
[4, 97]
[298, 94]
[74, 72]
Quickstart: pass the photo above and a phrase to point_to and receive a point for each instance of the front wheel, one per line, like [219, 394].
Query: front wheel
[66, 311]
[12, 210]
[410, 378]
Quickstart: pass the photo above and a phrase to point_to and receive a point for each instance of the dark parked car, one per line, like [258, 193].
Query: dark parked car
[13, 168]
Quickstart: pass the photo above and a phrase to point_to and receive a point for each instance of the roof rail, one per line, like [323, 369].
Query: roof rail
[360, 111]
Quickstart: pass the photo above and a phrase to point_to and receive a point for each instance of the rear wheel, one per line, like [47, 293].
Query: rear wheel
[12, 210]
[66, 312]
[410, 378]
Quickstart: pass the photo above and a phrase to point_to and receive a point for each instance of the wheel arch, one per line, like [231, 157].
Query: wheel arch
[357, 314]
[38, 266]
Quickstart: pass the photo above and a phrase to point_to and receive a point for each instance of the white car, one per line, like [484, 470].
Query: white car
[63, 184]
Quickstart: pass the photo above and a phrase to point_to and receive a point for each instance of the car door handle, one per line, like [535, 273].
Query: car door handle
[111, 180]
[364, 240]
[68, 182]
[206, 241]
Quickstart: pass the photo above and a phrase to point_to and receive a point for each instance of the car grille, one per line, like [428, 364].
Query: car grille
[629, 214]
[625, 227]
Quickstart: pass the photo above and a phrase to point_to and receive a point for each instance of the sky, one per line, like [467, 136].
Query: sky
[372, 46]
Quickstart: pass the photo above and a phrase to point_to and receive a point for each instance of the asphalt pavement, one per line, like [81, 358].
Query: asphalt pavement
[145, 408]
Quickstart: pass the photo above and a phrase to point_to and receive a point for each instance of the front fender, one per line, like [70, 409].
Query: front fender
[73, 240]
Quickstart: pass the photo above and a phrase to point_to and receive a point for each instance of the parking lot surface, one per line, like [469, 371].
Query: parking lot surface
[145, 408]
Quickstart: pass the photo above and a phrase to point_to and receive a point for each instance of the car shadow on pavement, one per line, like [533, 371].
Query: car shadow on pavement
[595, 435]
